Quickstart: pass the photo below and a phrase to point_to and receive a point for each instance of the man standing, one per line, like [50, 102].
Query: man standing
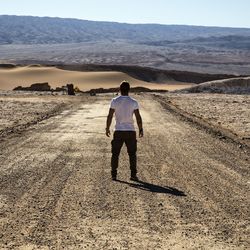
[124, 107]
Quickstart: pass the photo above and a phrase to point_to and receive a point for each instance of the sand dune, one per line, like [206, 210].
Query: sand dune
[25, 76]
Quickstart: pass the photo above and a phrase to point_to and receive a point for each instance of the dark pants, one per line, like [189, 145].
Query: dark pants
[129, 138]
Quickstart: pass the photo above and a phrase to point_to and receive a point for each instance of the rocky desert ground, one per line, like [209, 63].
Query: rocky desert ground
[227, 113]
[56, 191]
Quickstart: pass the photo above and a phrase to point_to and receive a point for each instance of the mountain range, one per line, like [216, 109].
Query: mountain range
[48, 30]
[47, 40]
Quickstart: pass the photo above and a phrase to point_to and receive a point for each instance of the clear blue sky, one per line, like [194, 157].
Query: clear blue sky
[228, 13]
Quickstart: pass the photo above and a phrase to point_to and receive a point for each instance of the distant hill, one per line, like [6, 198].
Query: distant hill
[47, 30]
[240, 85]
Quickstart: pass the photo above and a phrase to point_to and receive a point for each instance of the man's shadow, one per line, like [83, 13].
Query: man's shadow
[154, 188]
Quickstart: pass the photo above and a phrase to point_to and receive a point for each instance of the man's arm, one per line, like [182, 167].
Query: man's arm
[139, 122]
[109, 121]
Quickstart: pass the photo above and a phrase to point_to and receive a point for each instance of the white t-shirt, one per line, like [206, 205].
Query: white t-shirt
[124, 107]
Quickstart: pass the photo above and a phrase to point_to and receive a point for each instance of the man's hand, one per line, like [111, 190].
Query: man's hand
[139, 122]
[109, 120]
[141, 133]
[107, 132]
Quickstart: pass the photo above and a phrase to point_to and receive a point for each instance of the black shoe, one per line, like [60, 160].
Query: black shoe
[114, 178]
[134, 178]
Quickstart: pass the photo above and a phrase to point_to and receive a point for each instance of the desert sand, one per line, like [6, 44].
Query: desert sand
[56, 191]
[25, 76]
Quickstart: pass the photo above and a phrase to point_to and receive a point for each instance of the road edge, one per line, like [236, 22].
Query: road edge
[218, 132]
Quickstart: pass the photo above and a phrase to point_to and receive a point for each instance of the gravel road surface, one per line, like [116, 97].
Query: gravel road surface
[56, 191]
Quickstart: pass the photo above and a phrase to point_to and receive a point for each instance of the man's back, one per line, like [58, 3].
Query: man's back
[124, 107]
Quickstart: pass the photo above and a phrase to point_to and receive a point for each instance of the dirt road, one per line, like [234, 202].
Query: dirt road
[56, 191]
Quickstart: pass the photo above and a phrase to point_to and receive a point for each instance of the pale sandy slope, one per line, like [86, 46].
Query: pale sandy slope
[240, 85]
[25, 76]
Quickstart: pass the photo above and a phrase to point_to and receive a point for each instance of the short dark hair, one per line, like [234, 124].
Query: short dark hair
[124, 87]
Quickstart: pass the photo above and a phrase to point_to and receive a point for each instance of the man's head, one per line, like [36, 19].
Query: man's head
[124, 88]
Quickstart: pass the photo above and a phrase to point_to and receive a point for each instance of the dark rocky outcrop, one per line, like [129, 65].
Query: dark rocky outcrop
[116, 90]
[35, 87]
[70, 88]
[7, 66]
